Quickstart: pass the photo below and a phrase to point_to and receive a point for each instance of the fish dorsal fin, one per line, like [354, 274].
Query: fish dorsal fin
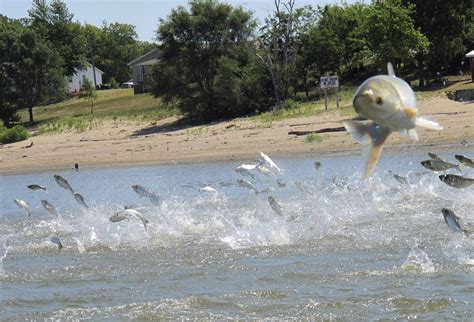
[390, 70]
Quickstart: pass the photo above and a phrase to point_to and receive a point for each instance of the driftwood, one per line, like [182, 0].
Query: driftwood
[325, 130]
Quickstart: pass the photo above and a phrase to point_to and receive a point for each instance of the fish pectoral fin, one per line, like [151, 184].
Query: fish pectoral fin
[428, 124]
[410, 112]
[372, 136]
[390, 70]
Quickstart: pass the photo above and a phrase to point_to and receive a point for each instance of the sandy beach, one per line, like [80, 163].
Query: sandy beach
[125, 143]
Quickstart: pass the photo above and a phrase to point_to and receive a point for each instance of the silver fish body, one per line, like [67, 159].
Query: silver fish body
[63, 183]
[49, 207]
[266, 160]
[390, 103]
[465, 160]
[275, 206]
[147, 193]
[453, 221]
[247, 184]
[456, 181]
[400, 179]
[24, 205]
[126, 214]
[80, 199]
[244, 169]
[36, 187]
[439, 165]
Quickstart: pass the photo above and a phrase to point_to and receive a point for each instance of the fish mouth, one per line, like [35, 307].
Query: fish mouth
[367, 97]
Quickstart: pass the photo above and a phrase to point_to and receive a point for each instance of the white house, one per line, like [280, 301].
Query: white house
[142, 68]
[75, 81]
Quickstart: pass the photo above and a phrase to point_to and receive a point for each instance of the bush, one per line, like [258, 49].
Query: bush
[113, 83]
[15, 134]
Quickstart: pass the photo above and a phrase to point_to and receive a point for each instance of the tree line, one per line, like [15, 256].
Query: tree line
[216, 61]
[39, 52]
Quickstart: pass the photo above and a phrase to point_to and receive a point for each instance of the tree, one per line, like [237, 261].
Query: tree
[280, 46]
[54, 24]
[391, 33]
[204, 53]
[30, 67]
[94, 41]
[88, 93]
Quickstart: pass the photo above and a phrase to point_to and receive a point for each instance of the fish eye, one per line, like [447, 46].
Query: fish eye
[378, 100]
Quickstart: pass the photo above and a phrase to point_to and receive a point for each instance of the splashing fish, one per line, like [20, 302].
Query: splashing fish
[439, 165]
[453, 220]
[36, 187]
[63, 183]
[266, 160]
[464, 160]
[145, 192]
[24, 205]
[126, 214]
[49, 207]
[55, 240]
[391, 104]
[455, 181]
[80, 199]
[275, 206]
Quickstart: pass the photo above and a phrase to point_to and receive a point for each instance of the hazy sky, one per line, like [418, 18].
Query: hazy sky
[143, 14]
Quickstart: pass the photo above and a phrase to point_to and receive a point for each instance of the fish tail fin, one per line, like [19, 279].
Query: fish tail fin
[372, 136]
[28, 212]
[428, 124]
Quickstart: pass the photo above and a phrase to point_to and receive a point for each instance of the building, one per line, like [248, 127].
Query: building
[142, 69]
[76, 81]
[470, 55]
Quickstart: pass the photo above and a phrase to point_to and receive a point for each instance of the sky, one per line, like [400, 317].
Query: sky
[143, 14]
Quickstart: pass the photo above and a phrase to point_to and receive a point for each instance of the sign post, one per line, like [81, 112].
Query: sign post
[330, 82]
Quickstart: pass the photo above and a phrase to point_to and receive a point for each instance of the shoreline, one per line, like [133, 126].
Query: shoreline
[124, 144]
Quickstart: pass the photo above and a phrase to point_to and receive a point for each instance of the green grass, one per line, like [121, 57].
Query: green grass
[116, 104]
[313, 137]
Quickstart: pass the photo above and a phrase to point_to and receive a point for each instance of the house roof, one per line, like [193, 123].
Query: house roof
[149, 58]
[97, 69]
[470, 54]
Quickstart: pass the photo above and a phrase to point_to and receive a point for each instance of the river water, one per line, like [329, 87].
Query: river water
[342, 247]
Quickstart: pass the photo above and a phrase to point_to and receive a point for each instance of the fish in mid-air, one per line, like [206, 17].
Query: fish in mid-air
[126, 214]
[49, 207]
[439, 165]
[24, 205]
[455, 181]
[275, 206]
[244, 169]
[317, 165]
[400, 179]
[36, 187]
[55, 240]
[453, 221]
[247, 184]
[464, 160]
[145, 192]
[266, 160]
[264, 170]
[208, 189]
[80, 199]
[391, 104]
[63, 183]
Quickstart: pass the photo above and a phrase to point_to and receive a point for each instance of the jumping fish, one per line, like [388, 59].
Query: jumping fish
[80, 199]
[126, 213]
[391, 104]
[55, 240]
[264, 170]
[453, 221]
[247, 184]
[36, 187]
[317, 165]
[439, 165]
[208, 189]
[145, 192]
[265, 159]
[49, 207]
[455, 181]
[400, 179]
[464, 160]
[24, 205]
[63, 183]
[275, 206]
[244, 169]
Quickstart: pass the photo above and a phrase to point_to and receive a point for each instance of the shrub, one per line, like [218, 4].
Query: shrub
[15, 134]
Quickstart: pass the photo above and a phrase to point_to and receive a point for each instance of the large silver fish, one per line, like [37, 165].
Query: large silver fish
[439, 165]
[455, 181]
[36, 187]
[266, 160]
[49, 207]
[23, 205]
[391, 104]
[464, 160]
[275, 206]
[453, 221]
[126, 214]
[80, 199]
[147, 193]
[63, 183]
[244, 169]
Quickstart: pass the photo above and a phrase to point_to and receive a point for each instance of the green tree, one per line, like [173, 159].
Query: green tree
[204, 52]
[391, 33]
[32, 69]
[54, 24]
[88, 93]
[94, 46]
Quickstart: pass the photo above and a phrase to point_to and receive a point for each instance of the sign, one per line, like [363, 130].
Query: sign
[329, 82]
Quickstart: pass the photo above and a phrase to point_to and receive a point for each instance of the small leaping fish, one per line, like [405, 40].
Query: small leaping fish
[80, 199]
[145, 192]
[247, 184]
[265, 159]
[244, 169]
[36, 187]
[24, 205]
[208, 189]
[55, 240]
[455, 181]
[275, 206]
[391, 104]
[126, 213]
[63, 183]
[465, 160]
[453, 221]
[439, 165]
[49, 207]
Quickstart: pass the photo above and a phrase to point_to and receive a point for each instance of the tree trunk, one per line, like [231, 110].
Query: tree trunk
[30, 112]
[92, 106]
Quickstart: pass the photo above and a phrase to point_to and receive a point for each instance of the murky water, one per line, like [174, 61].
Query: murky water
[343, 248]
